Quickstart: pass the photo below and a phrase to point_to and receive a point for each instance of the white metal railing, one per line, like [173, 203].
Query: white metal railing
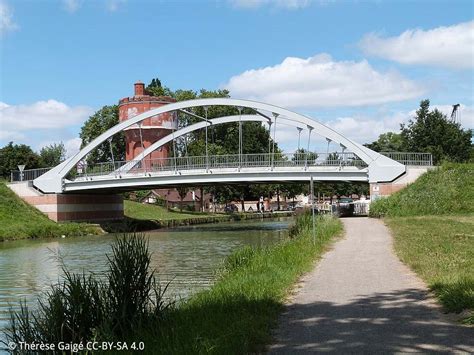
[264, 160]
[27, 175]
[237, 162]
[406, 158]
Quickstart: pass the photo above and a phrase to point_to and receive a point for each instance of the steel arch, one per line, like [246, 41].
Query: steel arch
[381, 168]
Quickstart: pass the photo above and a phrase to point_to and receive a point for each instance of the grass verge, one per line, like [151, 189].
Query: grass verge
[238, 313]
[18, 220]
[153, 212]
[441, 251]
[432, 221]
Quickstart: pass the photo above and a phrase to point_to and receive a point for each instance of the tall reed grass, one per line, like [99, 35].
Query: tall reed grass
[82, 308]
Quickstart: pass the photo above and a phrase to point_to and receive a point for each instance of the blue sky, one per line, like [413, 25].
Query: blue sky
[350, 64]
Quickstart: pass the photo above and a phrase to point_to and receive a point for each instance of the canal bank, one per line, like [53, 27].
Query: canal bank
[237, 314]
[187, 257]
[18, 220]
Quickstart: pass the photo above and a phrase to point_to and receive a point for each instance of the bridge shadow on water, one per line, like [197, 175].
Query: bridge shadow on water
[394, 322]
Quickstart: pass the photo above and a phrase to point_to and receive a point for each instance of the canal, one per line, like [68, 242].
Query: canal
[186, 256]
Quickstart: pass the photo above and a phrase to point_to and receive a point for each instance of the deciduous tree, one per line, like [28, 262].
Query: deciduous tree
[432, 132]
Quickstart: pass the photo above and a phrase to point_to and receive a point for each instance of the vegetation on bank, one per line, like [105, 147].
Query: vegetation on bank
[433, 222]
[139, 210]
[448, 189]
[235, 315]
[19, 220]
[84, 308]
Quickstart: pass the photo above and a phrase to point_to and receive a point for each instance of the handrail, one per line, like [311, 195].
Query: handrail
[302, 160]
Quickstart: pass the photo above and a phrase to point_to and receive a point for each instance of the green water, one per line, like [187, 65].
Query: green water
[186, 256]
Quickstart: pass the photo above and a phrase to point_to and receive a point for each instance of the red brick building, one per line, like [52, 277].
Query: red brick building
[153, 128]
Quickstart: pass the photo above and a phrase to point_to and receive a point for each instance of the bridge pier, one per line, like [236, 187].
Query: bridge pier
[71, 207]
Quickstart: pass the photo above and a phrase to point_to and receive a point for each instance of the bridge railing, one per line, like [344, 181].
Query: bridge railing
[405, 158]
[264, 160]
[27, 174]
[278, 160]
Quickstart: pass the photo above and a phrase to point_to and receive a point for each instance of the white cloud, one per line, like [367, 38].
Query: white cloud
[113, 5]
[50, 114]
[367, 129]
[364, 129]
[6, 19]
[286, 4]
[320, 81]
[72, 146]
[451, 46]
[72, 5]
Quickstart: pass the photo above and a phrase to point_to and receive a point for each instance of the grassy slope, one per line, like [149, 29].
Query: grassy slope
[237, 314]
[433, 223]
[446, 190]
[146, 211]
[19, 220]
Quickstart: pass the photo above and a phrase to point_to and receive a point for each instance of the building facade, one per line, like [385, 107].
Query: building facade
[138, 138]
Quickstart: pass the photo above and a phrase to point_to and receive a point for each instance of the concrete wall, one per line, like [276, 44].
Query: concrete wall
[71, 207]
[385, 189]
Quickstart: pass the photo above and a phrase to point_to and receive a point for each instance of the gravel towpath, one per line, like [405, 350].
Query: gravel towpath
[361, 299]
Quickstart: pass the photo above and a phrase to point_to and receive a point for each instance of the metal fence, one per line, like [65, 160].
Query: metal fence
[418, 159]
[27, 175]
[265, 160]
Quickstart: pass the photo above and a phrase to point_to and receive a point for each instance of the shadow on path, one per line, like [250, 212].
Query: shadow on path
[398, 321]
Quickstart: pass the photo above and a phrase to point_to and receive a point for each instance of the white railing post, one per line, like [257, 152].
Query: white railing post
[307, 148]
[274, 136]
[240, 137]
[207, 154]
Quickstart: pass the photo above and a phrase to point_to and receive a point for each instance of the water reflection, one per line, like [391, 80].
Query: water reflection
[188, 257]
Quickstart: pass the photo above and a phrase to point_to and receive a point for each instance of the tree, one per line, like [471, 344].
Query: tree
[302, 156]
[432, 132]
[53, 154]
[13, 155]
[156, 89]
[182, 192]
[98, 123]
[387, 142]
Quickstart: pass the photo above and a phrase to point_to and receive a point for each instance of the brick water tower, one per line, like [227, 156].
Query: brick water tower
[152, 128]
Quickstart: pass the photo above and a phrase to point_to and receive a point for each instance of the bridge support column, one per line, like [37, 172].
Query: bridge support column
[72, 207]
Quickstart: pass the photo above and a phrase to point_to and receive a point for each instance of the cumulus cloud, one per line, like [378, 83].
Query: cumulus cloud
[286, 4]
[451, 46]
[364, 129]
[320, 81]
[7, 24]
[113, 5]
[50, 114]
[72, 5]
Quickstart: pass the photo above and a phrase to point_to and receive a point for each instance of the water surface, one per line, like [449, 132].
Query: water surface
[186, 256]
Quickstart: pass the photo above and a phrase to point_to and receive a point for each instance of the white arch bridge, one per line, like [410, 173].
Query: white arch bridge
[353, 163]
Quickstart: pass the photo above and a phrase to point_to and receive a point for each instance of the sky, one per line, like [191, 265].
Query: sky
[360, 67]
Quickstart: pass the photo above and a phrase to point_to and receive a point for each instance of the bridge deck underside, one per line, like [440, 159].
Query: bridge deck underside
[147, 180]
